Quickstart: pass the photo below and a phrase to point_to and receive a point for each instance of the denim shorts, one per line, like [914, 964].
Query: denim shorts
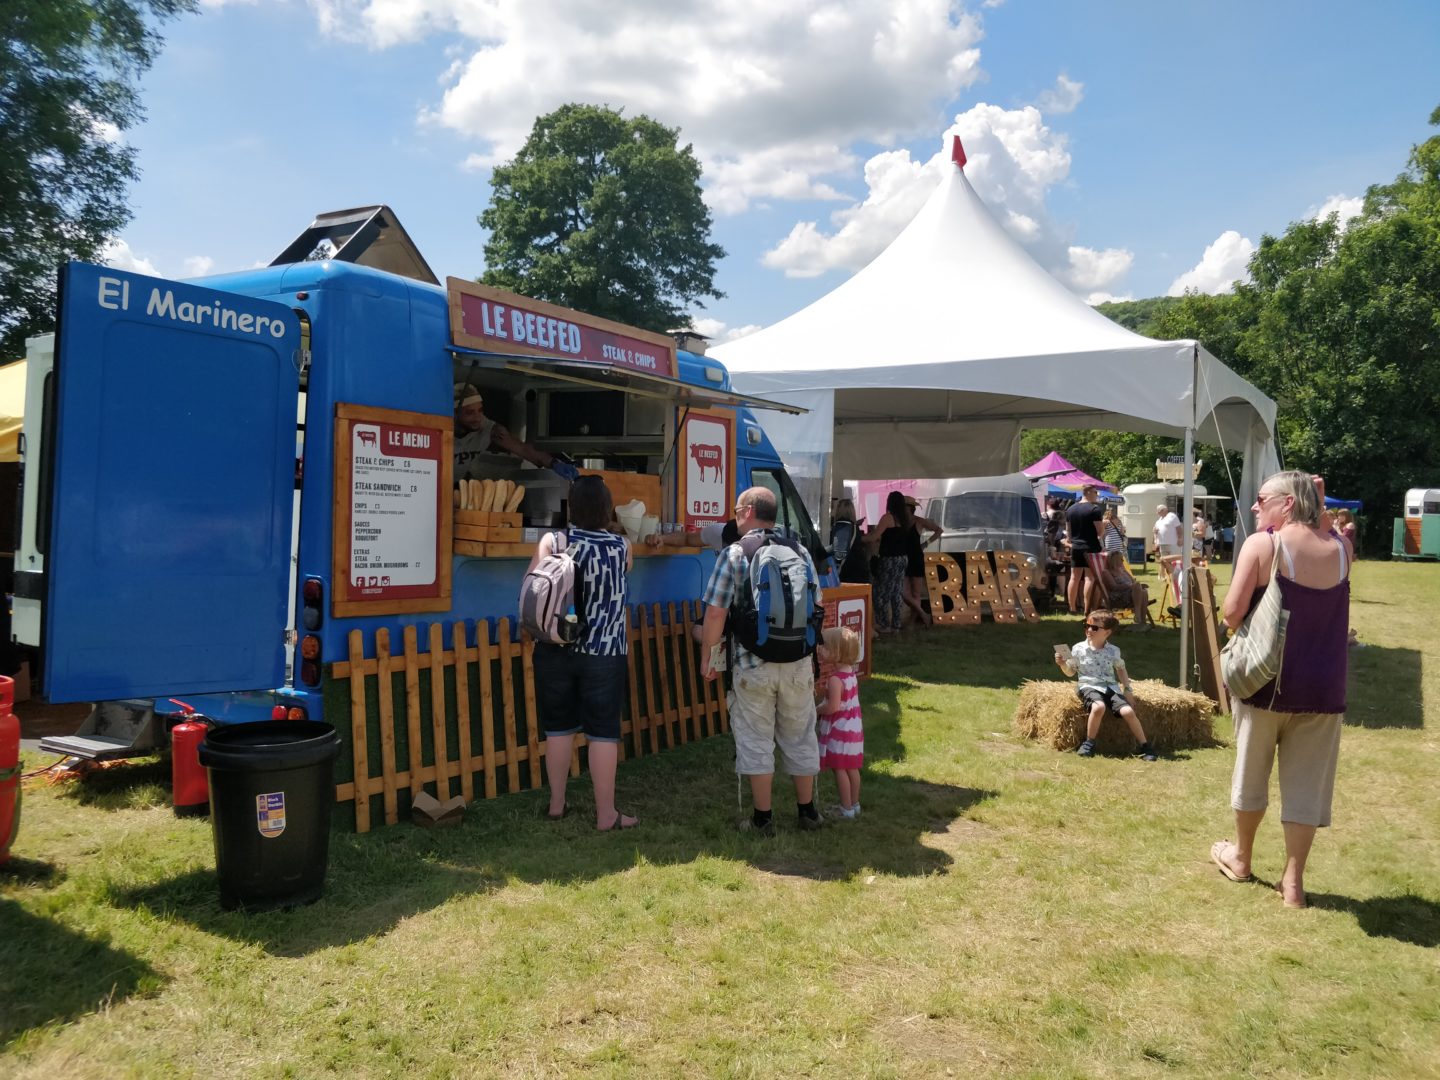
[576, 692]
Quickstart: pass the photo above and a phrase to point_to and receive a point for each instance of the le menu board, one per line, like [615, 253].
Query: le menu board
[392, 529]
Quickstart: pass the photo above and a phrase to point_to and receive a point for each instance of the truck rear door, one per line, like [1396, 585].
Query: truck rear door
[169, 501]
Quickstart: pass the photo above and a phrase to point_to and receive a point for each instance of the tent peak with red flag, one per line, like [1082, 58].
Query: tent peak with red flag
[957, 154]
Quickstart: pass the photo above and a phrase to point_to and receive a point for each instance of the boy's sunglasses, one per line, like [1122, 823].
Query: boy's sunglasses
[1092, 626]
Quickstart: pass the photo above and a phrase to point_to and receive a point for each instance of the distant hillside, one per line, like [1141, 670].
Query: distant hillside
[1137, 314]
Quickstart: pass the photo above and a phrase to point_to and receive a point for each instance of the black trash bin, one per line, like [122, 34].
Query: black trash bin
[271, 789]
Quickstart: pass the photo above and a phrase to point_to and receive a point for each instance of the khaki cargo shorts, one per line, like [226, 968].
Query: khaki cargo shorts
[774, 706]
[1308, 746]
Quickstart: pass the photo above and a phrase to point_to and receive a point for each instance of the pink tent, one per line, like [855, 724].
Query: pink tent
[1070, 478]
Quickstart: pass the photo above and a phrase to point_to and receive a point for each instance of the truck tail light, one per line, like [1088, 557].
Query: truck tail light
[310, 660]
[312, 599]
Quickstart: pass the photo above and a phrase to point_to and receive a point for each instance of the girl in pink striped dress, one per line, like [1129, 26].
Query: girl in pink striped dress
[842, 739]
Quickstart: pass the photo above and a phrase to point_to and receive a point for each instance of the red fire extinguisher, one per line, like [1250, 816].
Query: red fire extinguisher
[189, 788]
[9, 768]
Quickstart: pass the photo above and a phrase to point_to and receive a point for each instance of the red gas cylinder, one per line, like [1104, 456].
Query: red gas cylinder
[9, 768]
[189, 788]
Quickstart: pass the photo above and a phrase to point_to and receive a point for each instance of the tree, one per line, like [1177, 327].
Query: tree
[603, 214]
[1345, 334]
[68, 72]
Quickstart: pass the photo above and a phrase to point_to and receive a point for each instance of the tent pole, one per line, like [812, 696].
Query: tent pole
[1186, 547]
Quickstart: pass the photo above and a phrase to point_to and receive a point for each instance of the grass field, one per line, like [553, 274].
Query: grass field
[1000, 910]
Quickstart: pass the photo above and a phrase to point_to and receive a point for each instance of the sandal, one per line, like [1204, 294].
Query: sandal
[548, 816]
[1217, 856]
[619, 822]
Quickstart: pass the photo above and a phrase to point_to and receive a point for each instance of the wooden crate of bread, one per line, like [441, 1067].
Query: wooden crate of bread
[487, 511]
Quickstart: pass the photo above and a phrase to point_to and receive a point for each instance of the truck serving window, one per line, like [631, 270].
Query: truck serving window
[790, 513]
[991, 510]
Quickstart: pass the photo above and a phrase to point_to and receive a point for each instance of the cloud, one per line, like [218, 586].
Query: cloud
[198, 265]
[117, 253]
[1090, 269]
[1108, 298]
[897, 187]
[1348, 208]
[708, 327]
[1014, 161]
[769, 94]
[1223, 263]
[716, 329]
[1063, 98]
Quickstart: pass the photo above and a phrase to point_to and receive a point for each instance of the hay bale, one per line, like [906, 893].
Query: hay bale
[1051, 712]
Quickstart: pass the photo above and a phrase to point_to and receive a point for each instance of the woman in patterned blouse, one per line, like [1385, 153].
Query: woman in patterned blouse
[581, 687]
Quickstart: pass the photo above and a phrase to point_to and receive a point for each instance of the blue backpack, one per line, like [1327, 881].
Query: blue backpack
[777, 614]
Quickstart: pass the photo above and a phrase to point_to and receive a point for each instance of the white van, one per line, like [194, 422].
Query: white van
[985, 513]
[1137, 516]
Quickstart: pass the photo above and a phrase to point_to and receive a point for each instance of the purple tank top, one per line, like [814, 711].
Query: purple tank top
[1314, 668]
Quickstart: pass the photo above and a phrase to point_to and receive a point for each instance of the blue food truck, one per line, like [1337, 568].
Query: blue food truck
[223, 478]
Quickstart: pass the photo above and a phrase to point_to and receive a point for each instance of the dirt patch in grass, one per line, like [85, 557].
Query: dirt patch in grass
[944, 1044]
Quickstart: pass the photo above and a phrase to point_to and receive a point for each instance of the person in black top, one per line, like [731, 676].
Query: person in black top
[916, 591]
[889, 540]
[1087, 556]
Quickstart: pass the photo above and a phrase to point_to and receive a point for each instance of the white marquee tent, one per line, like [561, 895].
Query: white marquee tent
[929, 361]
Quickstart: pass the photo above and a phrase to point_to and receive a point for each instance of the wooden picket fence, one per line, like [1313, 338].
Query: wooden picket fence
[466, 714]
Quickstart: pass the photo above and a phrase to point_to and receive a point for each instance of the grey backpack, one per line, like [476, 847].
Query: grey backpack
[549, 593]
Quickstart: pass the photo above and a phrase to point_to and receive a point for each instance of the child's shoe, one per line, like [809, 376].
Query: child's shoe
[1147, 752]
[1087, 748]
[846, 813]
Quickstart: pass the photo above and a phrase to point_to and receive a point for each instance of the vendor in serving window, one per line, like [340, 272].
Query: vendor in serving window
[478, 439]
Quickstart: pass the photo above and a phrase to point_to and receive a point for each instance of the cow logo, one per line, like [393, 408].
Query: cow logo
[368, 436]
[708, 457]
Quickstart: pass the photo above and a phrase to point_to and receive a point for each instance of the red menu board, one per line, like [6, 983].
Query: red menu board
[392, 531]
[494, 320]
[849, 606]
[707, 468]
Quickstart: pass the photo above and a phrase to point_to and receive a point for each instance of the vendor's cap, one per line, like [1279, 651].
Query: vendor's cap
[467, 395]
[910, 501]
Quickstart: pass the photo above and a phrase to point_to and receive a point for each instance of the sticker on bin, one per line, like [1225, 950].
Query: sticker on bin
[270, 813]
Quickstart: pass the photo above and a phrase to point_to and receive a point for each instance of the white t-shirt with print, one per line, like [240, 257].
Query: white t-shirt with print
[1097, 667]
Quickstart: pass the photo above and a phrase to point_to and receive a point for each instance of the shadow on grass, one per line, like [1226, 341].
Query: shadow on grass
[50, 974]
[1402, 704]
[123, 784]
[1409, 918]
[30, 872]
[685, 800]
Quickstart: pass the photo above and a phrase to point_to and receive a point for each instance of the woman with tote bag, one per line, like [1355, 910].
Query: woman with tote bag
[1296, 716]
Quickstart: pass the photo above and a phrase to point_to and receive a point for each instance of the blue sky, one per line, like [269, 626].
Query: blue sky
[1134, 148]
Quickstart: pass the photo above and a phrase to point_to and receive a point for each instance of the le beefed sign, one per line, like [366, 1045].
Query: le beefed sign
[494, 320]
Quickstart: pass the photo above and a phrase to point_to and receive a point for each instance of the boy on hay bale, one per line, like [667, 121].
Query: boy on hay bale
[1050, 713]
[1102, 670]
